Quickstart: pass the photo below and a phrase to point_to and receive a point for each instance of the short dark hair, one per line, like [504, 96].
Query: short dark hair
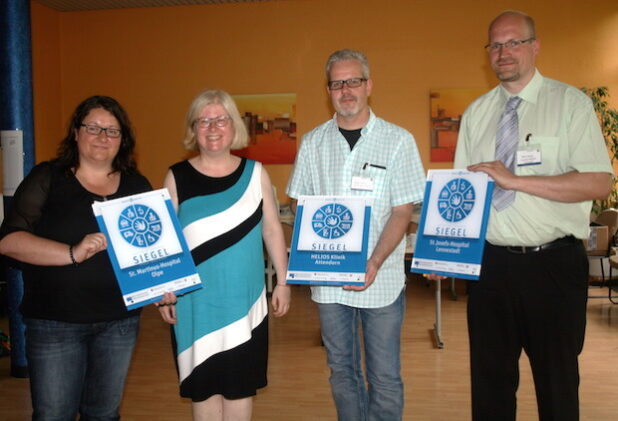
[124, 161]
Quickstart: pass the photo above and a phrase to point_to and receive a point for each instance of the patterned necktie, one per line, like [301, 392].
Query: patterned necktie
[507, 138]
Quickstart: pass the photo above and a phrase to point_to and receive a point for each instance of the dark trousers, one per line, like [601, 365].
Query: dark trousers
[535, 302]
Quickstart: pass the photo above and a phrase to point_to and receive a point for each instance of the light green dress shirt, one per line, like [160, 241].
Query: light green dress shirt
[559, 120]
[325, 166]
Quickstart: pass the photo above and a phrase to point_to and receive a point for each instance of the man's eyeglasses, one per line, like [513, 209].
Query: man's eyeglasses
[355, 82]
[221, 121]
[512, 44]
[96, 130]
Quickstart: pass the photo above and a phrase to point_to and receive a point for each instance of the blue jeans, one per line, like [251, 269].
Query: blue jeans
[383, 398]
[78, 368]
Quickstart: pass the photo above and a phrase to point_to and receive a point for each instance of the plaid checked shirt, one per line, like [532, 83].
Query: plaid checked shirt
[388, 155]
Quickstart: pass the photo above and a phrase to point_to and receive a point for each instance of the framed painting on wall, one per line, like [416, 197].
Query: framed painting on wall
[447, 106]
[271, 123]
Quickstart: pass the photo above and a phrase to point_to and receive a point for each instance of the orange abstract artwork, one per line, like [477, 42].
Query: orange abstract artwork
[447, 106]
[271, 123]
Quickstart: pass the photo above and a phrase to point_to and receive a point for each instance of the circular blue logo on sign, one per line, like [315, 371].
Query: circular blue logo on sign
[332, 221]
[139, 225]
[456, 200]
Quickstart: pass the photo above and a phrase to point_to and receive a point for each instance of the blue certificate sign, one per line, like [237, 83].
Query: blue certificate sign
[146, 247]
[329, 244]
[451, 234]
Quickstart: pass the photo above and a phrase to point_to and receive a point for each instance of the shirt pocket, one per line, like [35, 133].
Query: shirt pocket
[378, 178]
[380, 193]
[550, 156]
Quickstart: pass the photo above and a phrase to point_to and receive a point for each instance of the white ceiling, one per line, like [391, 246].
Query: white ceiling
[73, 5]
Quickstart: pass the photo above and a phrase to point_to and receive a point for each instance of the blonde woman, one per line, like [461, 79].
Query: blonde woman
[226, 207]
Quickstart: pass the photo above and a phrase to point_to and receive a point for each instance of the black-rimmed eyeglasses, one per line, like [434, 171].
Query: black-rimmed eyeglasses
[355, 82]
[514, 43]
[95, 130]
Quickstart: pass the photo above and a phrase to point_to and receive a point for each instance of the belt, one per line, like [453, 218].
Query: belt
[560, 242]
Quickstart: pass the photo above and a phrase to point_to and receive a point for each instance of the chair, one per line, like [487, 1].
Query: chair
[613, 264]
[607, 217]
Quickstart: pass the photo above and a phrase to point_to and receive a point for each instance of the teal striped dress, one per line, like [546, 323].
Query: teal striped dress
[221, 338]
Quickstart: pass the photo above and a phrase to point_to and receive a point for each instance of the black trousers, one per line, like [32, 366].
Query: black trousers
[535, 302]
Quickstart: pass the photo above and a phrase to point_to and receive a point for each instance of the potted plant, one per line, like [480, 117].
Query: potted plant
[608, 119]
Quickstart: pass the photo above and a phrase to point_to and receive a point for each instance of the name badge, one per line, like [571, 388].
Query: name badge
[362, 183]
[528, 157]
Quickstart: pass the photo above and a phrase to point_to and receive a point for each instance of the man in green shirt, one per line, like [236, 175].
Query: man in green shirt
[539, 139]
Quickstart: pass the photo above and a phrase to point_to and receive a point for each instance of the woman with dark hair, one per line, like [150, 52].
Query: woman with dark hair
[68, 153]
[79, 335]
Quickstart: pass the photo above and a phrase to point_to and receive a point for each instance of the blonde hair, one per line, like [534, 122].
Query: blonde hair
[222, 98]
